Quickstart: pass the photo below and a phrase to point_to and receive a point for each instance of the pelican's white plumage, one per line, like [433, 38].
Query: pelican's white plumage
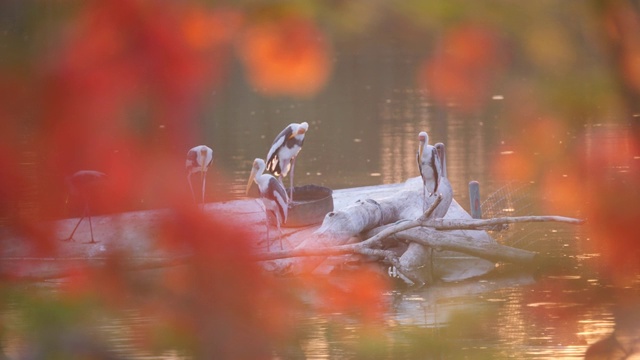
[282, 154]
[273, 195]
[199, 159]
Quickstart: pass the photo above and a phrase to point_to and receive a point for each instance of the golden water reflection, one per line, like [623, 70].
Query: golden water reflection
[505, 316]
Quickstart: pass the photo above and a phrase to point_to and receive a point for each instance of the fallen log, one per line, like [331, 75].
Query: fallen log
[345, 226]
[38, 269]
[135, 235]
[451, 255]
[431, 234]
[430, 237]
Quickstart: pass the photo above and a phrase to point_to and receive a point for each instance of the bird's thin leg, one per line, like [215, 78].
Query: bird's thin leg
[279, 230]
[88, 214]
[266, 224]
[70, 238]
[203, 176]
[424, 197]
[293, 164]
[193, 195]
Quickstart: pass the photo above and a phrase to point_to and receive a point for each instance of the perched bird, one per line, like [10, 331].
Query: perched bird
[442, 153]
[79, 185]
[282, 154]
[273, 195]
[199, 160]
[429, 165]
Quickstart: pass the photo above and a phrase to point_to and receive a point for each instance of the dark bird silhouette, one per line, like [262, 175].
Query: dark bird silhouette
[79, 185]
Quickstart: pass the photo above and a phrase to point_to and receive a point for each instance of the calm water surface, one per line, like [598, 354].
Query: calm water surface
[365, 133]
[546, 315]
[553, 313]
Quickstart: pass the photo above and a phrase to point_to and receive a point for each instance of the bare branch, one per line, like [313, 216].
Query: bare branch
[478, 224]
[464, 244]
[431, 237]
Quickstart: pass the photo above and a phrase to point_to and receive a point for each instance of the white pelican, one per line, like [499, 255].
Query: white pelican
[282, 154]
[273, 195]
[79, 184]
[429, 165]
[199, 160]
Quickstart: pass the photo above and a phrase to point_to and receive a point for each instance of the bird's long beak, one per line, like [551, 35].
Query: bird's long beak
[420, 148]
[251, 177]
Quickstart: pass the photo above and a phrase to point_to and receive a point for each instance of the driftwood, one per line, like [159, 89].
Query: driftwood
[345, 226]
[388, 225]
[414, 243]
[372, 229]
[134, 236]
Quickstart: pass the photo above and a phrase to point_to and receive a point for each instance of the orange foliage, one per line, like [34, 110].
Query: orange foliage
[286, 56]
[117, 89]
[630, 66]
[598, 178]
[539, 149]
[563, 192]
[612, 173]
[543, 136]
[511, 165]
[601, 179]
[623, 26]
[358, 292]
[220, 302]
[204, 29]
[462, 71]
[121, 93]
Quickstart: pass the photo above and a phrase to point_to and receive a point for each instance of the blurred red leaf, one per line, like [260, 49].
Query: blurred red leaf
[513, 165]
[287, 56]
[463, 70]
[600, 178]
[205, 29]
[219, 304]
[612, 173]
[622, 25]
[122, 92]
[359, 292]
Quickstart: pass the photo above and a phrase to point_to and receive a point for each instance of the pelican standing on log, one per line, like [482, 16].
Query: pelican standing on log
[199, 159]
[273, 195]
[429, 166]
[282, 155]
[79, 184]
